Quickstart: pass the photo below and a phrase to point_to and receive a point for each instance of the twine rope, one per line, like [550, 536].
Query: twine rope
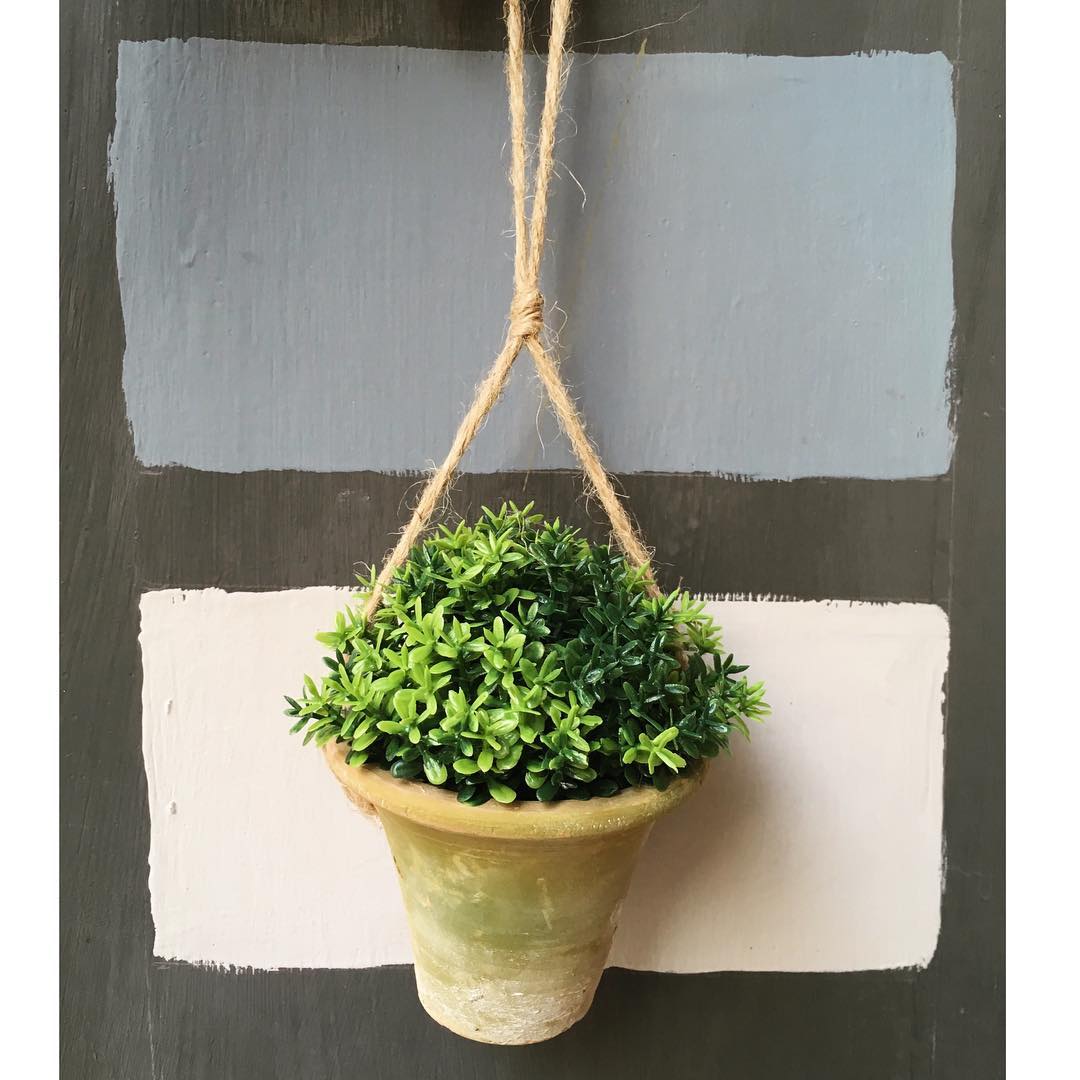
[526, 319]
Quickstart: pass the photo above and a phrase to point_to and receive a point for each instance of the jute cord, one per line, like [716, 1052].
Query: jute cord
[526, 319]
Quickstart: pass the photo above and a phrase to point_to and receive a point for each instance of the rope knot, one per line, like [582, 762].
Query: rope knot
[527, 314]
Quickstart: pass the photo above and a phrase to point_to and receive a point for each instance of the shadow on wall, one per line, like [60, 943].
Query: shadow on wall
[710, 837]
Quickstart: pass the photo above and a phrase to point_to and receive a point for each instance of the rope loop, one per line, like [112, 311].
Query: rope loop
[526, 314]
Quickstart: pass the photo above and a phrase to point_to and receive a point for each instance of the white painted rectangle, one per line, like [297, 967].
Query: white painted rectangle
[817, 848]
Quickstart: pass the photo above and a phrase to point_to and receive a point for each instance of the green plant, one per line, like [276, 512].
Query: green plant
[513, 659]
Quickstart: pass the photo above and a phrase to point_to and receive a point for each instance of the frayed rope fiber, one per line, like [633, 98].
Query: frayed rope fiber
[526, 323]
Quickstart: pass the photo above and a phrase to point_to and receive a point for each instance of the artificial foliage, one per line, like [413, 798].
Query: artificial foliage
[512, 659]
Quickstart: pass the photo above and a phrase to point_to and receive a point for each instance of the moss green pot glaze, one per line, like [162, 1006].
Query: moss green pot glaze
[512, 908]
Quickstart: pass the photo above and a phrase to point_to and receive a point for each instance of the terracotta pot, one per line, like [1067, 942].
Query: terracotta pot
[512, 908]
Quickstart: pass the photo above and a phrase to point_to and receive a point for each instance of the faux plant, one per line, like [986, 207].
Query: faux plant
[512, 659]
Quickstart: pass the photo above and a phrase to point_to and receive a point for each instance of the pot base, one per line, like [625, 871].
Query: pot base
[492, 1012]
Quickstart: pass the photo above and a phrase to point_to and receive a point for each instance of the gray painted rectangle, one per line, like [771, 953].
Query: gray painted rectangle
[314, 259]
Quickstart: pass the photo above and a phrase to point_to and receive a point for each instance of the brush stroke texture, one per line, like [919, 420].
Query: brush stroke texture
[314, 265]
[815, 848]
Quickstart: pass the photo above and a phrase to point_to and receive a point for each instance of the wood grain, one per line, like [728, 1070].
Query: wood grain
[812, 539]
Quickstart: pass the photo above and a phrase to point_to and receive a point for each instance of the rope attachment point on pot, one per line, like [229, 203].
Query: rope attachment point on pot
[526, 318]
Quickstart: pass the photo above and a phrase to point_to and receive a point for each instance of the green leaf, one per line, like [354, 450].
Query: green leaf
[547, 791]
[405, 770]
[434, 770]
[364, 740]
[671, 759]
[405, 704]
[500, 792]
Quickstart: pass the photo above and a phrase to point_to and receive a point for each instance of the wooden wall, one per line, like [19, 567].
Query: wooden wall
[130, 527]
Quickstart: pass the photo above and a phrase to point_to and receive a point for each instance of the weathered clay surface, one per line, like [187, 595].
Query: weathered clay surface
[512, 909]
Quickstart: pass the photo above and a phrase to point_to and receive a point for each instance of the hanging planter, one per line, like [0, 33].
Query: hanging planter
[518, 705]
[519, 710]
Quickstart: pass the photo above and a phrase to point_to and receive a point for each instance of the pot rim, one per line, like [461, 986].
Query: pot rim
[439, 809]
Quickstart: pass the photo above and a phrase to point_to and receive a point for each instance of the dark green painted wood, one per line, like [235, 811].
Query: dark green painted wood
[105, 929]
[810, 539]
[963, 996]
[126, 1015]
[369, 1024]
[774, 27]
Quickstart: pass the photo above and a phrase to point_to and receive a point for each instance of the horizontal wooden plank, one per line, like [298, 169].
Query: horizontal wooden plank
[806, 539]
[344, 1025]
[778, 28]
